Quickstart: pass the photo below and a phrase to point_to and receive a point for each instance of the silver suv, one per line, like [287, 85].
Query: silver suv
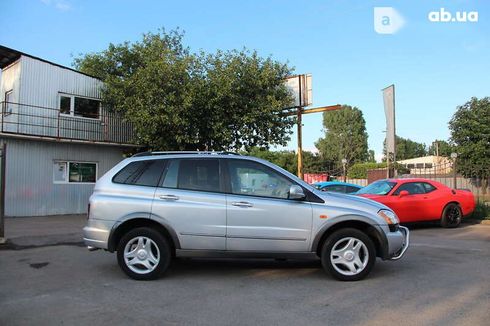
[158, 205]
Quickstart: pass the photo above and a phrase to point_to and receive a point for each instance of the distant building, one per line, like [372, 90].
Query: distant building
[58, 138]
[428, 165]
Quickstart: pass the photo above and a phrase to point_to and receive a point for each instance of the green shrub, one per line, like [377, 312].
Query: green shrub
[481, 212]
[359, 170]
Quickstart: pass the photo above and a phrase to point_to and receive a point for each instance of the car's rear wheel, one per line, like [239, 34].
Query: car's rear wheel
[143, 254]
[451, 216]
[348, 254]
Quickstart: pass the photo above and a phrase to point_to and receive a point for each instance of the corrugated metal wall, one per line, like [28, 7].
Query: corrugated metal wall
[30, 190]
[11, 81]
[40, 86]
[41, 82]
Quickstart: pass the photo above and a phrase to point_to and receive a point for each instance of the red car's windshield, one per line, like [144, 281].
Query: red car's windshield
[377, 188]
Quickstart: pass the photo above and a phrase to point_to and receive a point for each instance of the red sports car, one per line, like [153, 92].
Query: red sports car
[415, 200]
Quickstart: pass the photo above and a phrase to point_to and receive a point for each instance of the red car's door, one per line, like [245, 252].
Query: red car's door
[415, 206]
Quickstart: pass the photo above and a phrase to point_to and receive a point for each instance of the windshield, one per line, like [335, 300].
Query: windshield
[377, 188]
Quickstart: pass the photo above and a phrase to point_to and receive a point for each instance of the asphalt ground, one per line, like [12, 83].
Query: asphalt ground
[444, 279]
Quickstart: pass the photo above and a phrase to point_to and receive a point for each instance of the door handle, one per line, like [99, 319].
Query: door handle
[169, 197]
[242, 204]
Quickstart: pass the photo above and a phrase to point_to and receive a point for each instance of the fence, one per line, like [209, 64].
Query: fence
[32, 120]
[443, 173]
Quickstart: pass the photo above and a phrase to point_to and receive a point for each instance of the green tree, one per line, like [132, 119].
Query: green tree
[178, 100]
[371, 156]
[470, 132]
[406, 148]
[442, 147]
[288, 160]
[345, 137]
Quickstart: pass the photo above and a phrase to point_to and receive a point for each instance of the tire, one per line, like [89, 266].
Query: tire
[451, 216]
[143, 254]
[348, 255]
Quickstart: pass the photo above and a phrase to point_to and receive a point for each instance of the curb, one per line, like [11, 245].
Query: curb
[472, 221]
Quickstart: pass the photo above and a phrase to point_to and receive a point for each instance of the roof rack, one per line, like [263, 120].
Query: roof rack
[184, 152]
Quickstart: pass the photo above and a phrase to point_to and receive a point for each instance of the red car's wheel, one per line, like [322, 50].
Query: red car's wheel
[451, 216]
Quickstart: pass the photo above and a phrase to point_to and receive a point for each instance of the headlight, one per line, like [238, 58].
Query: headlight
[388, 216]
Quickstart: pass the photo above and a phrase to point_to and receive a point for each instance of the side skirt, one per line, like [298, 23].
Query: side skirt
[244, 254]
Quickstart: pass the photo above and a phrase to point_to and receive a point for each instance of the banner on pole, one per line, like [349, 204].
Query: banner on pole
[389, 104]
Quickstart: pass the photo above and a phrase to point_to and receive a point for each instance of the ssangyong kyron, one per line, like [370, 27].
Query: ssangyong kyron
[158, 205]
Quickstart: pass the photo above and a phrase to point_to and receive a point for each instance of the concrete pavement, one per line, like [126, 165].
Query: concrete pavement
[442, 280]
[29, 232]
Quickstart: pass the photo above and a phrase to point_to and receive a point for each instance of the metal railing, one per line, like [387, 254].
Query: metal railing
[45, 122]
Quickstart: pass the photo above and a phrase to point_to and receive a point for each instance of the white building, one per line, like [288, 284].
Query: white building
[58, 139]
[428, 165]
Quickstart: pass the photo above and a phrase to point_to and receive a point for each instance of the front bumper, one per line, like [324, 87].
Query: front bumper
[398, 243]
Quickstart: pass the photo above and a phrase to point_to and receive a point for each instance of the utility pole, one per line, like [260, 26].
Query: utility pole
[344, 162]
[299, 113]
[300, 144]
[454, 156]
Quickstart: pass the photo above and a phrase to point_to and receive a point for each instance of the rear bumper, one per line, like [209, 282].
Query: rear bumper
[96, 234]
[398, 243]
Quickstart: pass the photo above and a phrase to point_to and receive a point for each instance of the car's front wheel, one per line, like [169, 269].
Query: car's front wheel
[143, 254]
[348, 254]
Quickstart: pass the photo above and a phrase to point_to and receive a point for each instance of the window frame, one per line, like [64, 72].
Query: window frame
[165, 162]
[67, 173]
[72, 106]
[6, 103]
[225, 183]
[267, 168]
[222, 184]
[396, 192]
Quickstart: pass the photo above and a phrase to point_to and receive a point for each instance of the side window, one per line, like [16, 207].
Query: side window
[141, 173]
[335, 188]
[350, 189]
[413, 188]
[251, 178]
[428, 187]
[199, 174]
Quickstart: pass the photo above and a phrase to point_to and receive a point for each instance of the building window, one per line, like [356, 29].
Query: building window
[428, 165]
[74, 172]
[7, 105]
[78, 106]
[65, 104]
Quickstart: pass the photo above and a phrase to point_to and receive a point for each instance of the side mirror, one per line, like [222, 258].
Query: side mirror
[403, 193]
[296, 192]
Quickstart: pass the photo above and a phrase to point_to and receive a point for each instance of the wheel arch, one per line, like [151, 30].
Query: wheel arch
[449, 203]
[374, 232]
[121, 229]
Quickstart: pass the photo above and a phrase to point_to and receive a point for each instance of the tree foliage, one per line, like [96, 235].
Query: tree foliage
[288, 160]
[178, 100]
[470, 132]
[345, 137]
[406, 148]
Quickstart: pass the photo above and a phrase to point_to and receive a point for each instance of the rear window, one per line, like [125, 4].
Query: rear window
[141, 173]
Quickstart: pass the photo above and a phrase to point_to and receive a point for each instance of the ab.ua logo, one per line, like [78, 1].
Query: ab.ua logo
[387, 20]
[443, 16]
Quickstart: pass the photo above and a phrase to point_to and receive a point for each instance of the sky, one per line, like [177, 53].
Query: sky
[435, 66]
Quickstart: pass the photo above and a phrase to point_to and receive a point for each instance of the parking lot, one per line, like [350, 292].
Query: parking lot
[443, 279]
